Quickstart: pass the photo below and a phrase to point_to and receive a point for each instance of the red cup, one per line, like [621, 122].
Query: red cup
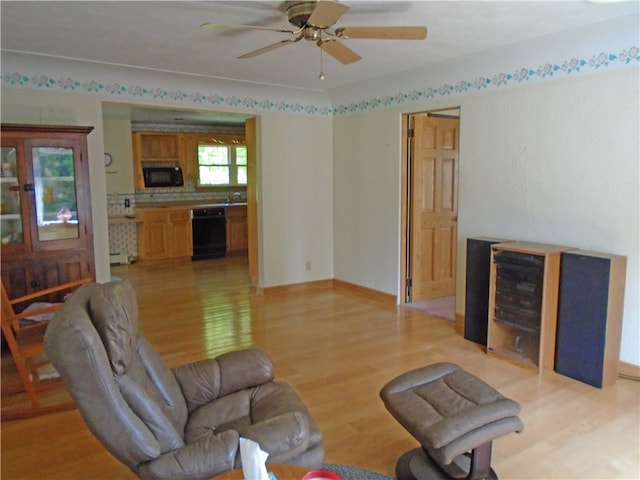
[321, 475]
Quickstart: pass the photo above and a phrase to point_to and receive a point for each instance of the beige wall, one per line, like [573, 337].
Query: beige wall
[556, 162]
[117, 142]
[295, 167]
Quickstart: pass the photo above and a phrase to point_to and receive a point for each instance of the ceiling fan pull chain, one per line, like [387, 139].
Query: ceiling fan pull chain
[321, 76]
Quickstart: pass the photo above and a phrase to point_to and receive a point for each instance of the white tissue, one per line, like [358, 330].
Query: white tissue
[253, 460]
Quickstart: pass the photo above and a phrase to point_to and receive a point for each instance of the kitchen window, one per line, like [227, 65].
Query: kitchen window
[222, 162]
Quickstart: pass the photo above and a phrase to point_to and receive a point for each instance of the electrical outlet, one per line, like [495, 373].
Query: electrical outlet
[127, 203]
[307, 266]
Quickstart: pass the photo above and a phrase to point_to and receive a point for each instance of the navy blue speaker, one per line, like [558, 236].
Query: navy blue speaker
[590, 316]
[478, 272]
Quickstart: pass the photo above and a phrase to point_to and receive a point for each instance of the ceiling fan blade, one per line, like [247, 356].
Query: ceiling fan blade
[339, 51]
[383, 33]
[326, 13]
[268, 48]
[225, 26]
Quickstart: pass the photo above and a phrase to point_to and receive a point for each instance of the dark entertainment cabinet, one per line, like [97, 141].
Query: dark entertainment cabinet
[523, 303]
[547, 307]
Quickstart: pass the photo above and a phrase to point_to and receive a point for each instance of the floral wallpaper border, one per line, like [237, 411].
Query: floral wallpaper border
[547, 71]
[502, 79]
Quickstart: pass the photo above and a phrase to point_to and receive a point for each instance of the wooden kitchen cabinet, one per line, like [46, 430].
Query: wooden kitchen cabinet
[45, 212]
[179, 233]
[156, 149]
[237, 232]
[164, 233]
[152, 235]
[190, 158]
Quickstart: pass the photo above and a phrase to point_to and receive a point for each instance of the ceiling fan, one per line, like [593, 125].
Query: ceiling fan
[313, 20]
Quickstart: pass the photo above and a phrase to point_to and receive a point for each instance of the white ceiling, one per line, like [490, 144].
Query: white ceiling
[166, 36]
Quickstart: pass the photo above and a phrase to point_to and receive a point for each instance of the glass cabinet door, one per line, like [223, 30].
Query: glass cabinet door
[11, 227]
[54, 187]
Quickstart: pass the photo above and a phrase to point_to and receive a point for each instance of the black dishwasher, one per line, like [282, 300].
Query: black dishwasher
[209, 233]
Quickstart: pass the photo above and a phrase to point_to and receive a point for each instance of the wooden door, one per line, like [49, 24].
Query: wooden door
[14, 206]
[66, 158]
[434, 207]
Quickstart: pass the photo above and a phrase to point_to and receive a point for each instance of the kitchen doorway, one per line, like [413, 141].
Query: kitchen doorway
[118, 118]
[430, 209]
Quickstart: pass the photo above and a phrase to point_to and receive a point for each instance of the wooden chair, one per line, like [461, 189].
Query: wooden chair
[26, 344]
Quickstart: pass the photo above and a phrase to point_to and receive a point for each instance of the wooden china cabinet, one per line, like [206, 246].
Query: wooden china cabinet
[45, 210]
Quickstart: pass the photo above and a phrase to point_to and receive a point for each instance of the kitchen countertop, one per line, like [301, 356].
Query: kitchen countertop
[121, 219]
[190, 205]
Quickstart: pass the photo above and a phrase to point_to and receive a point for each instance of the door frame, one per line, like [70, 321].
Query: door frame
[253, 248]
[405, 193]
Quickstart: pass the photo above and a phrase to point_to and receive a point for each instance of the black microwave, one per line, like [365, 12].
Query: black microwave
[162, 177]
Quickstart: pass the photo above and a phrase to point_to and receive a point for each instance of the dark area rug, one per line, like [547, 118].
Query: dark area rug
[347, 472]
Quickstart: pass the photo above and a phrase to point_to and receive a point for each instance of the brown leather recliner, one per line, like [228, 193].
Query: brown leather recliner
[180, 423]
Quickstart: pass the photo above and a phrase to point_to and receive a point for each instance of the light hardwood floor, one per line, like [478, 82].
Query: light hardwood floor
[338, 349]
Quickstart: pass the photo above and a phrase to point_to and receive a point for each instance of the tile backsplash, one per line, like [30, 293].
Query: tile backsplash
[123, 239]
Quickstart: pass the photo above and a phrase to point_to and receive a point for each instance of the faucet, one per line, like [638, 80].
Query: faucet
[233, 196]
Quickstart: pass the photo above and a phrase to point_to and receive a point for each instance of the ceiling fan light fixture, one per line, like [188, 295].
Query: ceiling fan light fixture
[298, 14]
[313, 18]
[313, 34]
